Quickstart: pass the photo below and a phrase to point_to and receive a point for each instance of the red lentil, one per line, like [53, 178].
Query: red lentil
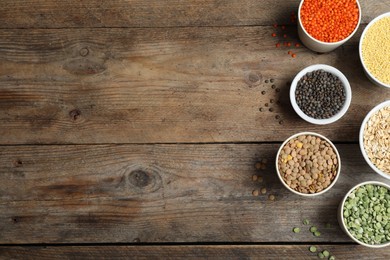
[293, 55]
[277, 45]
[329, 20]
[274, 35]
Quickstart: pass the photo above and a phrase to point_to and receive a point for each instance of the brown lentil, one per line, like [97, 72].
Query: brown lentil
[271, 197]
[254, 178]
[303, 167]
[258, 165]
[255, 192]
[263, 190]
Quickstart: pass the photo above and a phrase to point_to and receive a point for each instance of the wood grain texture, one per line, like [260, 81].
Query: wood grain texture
[161, 85]
[192, 251]
[160, 193]
[156, 13]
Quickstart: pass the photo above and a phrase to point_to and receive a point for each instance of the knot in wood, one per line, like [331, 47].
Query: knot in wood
[75, 114]
[140, 178]
[18, 163]
[84, 52]
[144, 179]
[253, 78]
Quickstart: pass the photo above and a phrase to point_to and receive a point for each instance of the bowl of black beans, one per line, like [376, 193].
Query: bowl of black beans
[320, 94]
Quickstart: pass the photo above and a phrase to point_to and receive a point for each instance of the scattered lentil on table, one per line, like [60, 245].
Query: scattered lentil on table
[366, 214]
[308, 164]
[376, 50]
[326, 253]
[376, 139]
[296, 230]
[329, 20]
[320, 94]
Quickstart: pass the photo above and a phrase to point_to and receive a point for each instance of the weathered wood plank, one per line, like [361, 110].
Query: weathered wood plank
[162, 86]
[155, 13]
[160, 193]
[192, 251]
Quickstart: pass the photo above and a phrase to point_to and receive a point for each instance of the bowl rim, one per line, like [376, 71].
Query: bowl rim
[330, 43]
[344, 81]
[387, 14]
[308, 194]
[361, 132]
[341, 213]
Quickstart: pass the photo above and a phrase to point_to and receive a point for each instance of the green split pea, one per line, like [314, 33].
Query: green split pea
[366, 214]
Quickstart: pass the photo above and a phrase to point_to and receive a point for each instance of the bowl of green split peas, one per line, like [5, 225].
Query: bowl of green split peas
[364, 214]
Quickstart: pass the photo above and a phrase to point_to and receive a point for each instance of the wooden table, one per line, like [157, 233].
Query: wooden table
[132, 128]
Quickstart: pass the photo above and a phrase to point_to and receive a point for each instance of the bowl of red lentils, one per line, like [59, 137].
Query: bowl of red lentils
[325, 25]
[320, 94]
[374, 50]
[308, 164]
[374, 139]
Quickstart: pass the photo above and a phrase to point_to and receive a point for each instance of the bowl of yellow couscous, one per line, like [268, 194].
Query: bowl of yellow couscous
[374, 50]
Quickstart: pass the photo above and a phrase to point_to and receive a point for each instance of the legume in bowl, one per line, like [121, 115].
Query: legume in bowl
[308, 164]
[320, 94]
[374, 50]
[325, 25]
[374, 139]
[364, 214]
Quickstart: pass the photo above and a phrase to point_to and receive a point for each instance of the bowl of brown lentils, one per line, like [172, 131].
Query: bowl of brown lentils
[374, 139]
[320, 94]
[308, 164]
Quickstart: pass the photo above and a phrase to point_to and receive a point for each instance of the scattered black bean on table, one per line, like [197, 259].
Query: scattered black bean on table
[320, 94]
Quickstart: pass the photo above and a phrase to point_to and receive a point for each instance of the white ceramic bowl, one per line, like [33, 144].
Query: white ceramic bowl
[369, 75]
[319, 46]
[308, 194]
[373, 111]
[344, 81]
[340, 214]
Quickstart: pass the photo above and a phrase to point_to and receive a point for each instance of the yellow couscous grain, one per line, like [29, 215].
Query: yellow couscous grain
[376, 50]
